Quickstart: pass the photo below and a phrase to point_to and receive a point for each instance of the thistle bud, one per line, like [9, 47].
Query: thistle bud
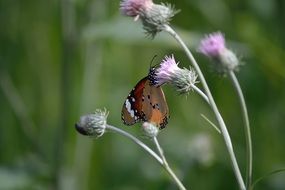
[93, 124]
[150, 130]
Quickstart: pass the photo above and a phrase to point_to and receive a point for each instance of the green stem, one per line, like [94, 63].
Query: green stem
[137, 141]
[201, 93]
[213, 105]
[161, 159]
[166, 166]
[211, 123]
[266, 176]
[246, 128]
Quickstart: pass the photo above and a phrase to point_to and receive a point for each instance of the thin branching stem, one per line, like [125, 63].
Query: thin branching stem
[18, 106]
[166, 166]
[238, 90]
[200, 92]
[266, 176]
[213, 105]
[137, 141]
[204, 96]
[211, 123]
[161, 159]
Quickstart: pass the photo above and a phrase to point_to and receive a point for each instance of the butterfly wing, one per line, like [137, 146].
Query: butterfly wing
[154, 105]
[132, 108]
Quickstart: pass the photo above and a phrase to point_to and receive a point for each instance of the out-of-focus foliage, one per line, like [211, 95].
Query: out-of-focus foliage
[62, 59]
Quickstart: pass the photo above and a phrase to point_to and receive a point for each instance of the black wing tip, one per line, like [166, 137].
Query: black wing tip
[164, 122]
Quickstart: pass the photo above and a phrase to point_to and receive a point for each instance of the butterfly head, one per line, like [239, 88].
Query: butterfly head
[152, 76]
[152, 72]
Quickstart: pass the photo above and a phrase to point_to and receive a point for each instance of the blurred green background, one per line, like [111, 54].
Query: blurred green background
[62, 59]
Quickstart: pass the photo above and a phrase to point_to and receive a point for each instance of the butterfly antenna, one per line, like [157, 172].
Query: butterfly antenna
[152, 61]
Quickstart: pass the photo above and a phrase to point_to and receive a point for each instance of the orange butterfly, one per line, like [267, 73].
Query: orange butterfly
[146, 102]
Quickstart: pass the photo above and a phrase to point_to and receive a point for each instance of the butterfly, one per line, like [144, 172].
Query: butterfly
[146, 103]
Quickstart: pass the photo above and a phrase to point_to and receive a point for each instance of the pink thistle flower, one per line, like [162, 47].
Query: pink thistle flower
[167, 69]
[134, 8]
[212, 45]
[169, 72]
[154, 17]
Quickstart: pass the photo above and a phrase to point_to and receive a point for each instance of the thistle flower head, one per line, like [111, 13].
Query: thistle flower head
[169, 72]
[153, 16]
[166, 71]
[214, 47]
[93, 124]
[156, 17]
[150, 130]
[134, 8]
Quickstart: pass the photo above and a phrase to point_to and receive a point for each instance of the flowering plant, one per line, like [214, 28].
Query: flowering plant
[156, 18]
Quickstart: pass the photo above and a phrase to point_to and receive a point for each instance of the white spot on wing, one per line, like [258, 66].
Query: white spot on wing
[129, 108]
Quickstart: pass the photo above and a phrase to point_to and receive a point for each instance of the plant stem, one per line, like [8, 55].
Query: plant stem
[162, 161]
[137, 141]
[266, 176]
[68, 49]
[212, 103]
[201, 93]
[211, 123]
[166, 166]
[246, 128]
[17, 104]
